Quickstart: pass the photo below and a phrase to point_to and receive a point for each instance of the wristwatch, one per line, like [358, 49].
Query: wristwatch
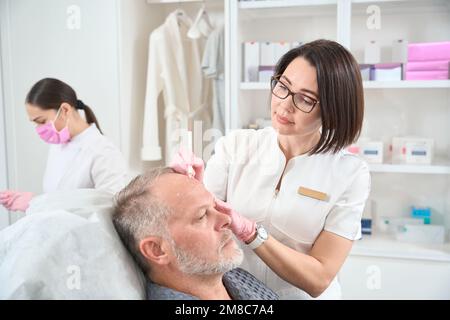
[261, 237]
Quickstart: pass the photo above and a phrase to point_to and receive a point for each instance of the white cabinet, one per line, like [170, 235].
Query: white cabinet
[381, 268]
[391, 278]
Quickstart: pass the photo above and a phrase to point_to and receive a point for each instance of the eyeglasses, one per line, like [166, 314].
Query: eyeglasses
[301, 102]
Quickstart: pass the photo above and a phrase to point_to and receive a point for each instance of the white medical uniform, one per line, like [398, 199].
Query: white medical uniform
[245, 170]
[88, 161]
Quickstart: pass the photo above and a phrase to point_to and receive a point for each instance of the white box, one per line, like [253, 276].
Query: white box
[267, 54]
[372, 53]
[412, 150]
[398, 150]
[391, 225]
[387, 74]
[400, 51]
[372, 151]
[251, 61]
[419, 151]
[265, 73]
[280, 49]
[423, 234]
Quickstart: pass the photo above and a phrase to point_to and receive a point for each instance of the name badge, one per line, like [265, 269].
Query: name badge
[313, 194]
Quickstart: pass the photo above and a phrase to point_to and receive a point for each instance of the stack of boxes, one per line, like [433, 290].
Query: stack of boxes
[373, 70]
[415, 61]
[260, 58]
[428, 61]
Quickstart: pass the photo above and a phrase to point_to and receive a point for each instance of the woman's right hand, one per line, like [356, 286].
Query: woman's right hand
[15, 200]
[185, 161]
[243, 228]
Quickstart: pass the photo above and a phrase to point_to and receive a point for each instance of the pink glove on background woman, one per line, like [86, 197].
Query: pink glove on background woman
[185, 162]
[15, 201]
[243, 228]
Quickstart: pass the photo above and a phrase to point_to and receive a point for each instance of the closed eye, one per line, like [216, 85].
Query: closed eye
[203, 214]
[307, 99]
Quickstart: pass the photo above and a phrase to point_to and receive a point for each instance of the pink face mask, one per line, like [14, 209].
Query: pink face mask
[49, 134]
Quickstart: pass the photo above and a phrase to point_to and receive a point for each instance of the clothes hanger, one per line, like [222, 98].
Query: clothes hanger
[202, 25]
[182, 16]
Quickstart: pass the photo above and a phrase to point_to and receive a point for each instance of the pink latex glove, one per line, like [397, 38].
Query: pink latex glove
[243, 228]
[185, 162]
[15, 201]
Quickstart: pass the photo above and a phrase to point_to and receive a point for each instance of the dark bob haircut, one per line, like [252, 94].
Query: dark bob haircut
[341, 93]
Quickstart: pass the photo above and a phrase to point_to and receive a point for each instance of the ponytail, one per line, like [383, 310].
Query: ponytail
[89, 114]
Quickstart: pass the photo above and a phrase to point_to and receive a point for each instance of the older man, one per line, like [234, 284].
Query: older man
[171, 225]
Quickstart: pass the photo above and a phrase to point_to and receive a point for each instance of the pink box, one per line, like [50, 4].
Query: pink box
[426, 75]
[437, 65]
[429, 51]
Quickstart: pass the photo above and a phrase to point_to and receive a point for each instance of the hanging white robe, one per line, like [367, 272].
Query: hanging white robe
[174, 69]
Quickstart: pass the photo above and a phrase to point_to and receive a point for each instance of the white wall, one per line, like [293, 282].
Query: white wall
[37, 43]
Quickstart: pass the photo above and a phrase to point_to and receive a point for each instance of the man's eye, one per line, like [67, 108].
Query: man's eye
[203, 215]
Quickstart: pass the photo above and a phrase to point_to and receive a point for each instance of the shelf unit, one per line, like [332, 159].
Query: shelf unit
[271, 4]
[392, 184]
[408, 168]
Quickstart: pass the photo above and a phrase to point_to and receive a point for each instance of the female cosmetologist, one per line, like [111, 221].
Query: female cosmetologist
[296, 195]
[80, 156]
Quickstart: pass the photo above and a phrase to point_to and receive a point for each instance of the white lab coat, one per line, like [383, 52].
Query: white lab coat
[88, 161]
[245, 171]
[174, 69]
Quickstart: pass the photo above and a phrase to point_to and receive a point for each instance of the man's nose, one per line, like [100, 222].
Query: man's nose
[223, 221]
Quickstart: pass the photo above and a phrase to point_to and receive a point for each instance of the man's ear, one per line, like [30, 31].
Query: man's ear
[154, 250]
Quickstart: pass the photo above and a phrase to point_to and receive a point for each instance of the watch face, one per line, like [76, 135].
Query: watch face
[262, 233]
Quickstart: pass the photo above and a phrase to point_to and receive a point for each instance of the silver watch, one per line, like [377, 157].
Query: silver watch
[261, 237]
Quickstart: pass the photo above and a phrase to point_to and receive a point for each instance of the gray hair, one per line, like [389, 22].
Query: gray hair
[139, 213]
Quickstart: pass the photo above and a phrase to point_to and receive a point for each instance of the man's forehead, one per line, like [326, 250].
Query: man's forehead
[179, 190]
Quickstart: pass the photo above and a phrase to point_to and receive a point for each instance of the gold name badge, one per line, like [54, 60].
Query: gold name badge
[312, 194]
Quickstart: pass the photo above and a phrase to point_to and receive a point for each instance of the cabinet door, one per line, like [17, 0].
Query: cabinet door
[75, 41]
[383, 278]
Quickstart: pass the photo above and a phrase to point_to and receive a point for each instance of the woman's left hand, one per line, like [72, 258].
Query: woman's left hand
[15, 201]
[243, 228]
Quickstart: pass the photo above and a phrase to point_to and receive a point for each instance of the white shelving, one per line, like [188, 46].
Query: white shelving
[419, 84]
[407, 84]
[255, 86]
[385, 246]
[283, 3]
[408, 168]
